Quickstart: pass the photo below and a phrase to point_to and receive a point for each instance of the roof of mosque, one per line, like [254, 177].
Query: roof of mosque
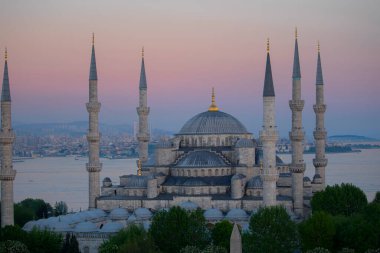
[119, 214]
[213, 122]
[111, 227]
[201, 159]
[245, 143]
[86, 226]
[213, 214]
[135, 181]
[196, 181]
[236, 214]
[255, 183]
[188, 205]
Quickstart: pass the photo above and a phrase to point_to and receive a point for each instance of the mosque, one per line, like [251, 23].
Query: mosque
[212, 163]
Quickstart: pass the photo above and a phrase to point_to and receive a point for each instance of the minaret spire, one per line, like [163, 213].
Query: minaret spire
[143, 111]
[268, 137]
[7, 173]
[297, 166]
[93, 137]
[320, 161]
[213, 107]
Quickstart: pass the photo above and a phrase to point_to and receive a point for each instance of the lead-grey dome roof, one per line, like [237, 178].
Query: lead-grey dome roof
[213, 123]
[201, 159]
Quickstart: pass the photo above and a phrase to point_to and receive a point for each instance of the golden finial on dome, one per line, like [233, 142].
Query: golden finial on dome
[268, 45]
[139, 172]
[6, 54]
[213, 107]
[318, 47]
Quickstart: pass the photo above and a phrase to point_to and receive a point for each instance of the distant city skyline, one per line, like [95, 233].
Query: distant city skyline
[191, 47]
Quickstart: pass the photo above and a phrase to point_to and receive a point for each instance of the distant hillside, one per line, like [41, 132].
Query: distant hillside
[350, 138]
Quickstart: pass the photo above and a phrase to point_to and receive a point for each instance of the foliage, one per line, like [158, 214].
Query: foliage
[318, 250]
[60, 208]
[174, 229]
[345, 199]
[36, 241]
[134, 239]
[373, 251]
[272, 230]
[70, 244]
[377, 198]
[9, 246]
[221, 234]
[40, 208]
[22, 215]
[317, 231]
[346, 250]
[209, 249]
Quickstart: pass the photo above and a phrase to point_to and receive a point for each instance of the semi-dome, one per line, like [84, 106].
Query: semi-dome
[188, 205]
[213, 122]
[201, 159]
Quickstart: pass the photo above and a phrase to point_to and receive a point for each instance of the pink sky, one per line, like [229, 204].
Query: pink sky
[191, 46]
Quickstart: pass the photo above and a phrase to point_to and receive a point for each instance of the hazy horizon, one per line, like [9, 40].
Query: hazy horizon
[190, 47]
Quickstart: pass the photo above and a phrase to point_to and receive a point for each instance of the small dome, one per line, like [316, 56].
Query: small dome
[201, 159]
[237, 176]
[85, 227]
[119, 214]
[213, 122]
[111, 227]
[142, 213]
[245, 143]
[100, 213]
[194, 182]
[61, 226]
[255, 183]
[75, 217]
[131, 219]
[213, 214]
[306, 179]
[107, 182]
[164, 144]
[188, 205]
[66, 218]
[237, 214]
[29, 225]
[107, 179]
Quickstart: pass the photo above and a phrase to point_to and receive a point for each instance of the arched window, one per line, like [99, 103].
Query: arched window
[216, 172]
[209, 172]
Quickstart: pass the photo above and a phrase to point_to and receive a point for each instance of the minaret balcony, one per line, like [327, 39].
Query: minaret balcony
[7, 137]
[94, 167]
[297, 135]
[320, 162]
[143, 137]
[93, 137]
[297, 168]
[320, 135]
[269, 135]
[8, 175]
[143, 110]
[93, 106]
[296, 105]
[319, 108]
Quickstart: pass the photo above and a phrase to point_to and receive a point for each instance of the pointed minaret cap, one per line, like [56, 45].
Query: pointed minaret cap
[268, 82]
[143, 84]
[319, 78]
[93, 72]
[296, 62]
[213, 107]
[5, 91]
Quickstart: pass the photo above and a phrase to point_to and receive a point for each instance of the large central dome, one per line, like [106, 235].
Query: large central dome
[213, 122]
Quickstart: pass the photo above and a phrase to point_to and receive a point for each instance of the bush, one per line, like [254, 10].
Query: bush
[221, 234]
[271, 230]
[318, 250]
[345, 199]
[13, 247]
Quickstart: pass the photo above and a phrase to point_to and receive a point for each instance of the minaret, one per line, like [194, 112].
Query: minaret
[143, 112]
[297, 166]
[7, 137]
[93, 107]
[320, 133]
[268, 137]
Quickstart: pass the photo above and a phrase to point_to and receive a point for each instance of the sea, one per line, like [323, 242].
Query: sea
[66, 179]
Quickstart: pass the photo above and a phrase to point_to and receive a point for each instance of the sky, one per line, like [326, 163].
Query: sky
[190, 47]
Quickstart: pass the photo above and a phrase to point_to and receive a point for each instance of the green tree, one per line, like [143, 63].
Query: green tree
[377, 198]
[174, 229]
[13, 233]
[214, 249]
[345, 199]
[221, 234]
[43, 241]
[317, 231]
[9, 246]
[272, 230]
[134, 239]
[22, 215]
[60, 208]
[40, 208]
[190, 249]
[318, 250]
